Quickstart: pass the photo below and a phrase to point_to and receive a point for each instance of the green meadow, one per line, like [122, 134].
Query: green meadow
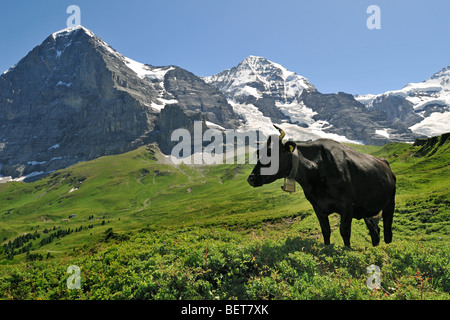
[141, 229]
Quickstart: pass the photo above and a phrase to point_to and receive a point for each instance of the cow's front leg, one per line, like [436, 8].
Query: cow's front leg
[325, 226]
[346, 226]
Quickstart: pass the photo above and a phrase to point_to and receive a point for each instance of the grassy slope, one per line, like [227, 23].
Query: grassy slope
[203, 232]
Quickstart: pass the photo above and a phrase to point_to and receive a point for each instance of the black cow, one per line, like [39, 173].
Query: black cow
[336, 178]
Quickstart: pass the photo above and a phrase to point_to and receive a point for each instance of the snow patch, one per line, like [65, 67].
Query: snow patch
[143, 71]
[33, 174]
[297, 112]
[314, 132]
[421, 103]
[253, 118]
[34, 163]
[365, 98]
[56, 146]
[62, 83]
[5, 179]
[434, 125]
[6, 71]
[383, 133]
[168, 101]
[212, 125]
[250, 91]
[157, 106]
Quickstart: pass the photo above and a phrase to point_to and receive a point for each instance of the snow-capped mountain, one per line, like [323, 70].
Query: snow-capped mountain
[263, 92]
[74, 98]
[259, 77]
[424, 106]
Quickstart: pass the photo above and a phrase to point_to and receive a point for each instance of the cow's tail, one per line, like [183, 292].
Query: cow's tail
[388, 216]
[388, 210]
[389, 166]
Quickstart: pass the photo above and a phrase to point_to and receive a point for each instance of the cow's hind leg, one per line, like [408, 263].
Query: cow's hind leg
[374, 229]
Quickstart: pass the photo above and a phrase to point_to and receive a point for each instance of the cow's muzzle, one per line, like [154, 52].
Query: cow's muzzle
[253, 181]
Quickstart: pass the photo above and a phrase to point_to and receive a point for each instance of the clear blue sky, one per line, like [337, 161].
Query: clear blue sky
[326, 41]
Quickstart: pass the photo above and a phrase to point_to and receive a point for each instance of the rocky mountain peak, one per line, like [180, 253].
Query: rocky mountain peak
[74, 98]
[259, 77]
[261, 66]
[445, 72]
[71, 31]
[443, 76]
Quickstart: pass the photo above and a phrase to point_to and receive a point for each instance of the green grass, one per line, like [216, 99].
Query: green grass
[146, 230]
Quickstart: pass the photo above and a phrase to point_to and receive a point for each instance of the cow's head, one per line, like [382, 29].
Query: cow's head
[274, 161]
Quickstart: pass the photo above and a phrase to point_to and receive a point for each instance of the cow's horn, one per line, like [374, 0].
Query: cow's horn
[282, 133]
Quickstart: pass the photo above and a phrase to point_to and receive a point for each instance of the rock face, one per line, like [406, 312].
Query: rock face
[174, 117]
[74, 98]
[396, 109]
[193, 94]
[351, 119]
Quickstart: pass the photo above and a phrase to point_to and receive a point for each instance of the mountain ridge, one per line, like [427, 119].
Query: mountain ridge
[423, 106]
[291, 101]
[74, 98]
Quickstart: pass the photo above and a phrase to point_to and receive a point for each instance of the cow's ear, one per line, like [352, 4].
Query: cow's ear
[290, 146]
